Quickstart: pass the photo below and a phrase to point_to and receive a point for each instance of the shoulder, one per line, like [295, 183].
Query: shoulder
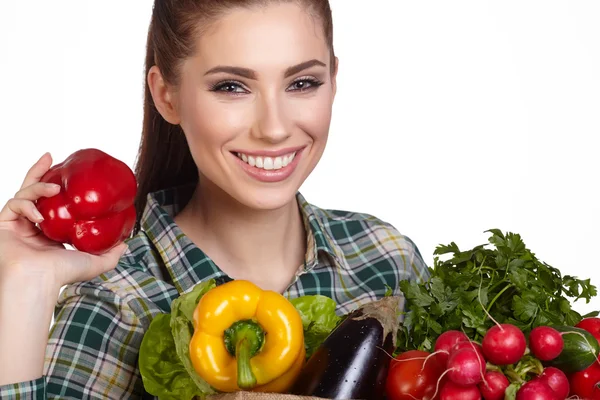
[362, 228]
[372, 240]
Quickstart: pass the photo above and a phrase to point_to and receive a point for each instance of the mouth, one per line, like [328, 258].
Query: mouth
[275, 167]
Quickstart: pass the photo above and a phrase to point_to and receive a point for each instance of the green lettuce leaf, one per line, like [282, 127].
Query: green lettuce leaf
[164, 360]
[162, 372]
[318, 319]
[182, 329]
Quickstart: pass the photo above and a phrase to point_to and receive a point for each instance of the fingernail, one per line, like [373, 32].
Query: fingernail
[37, 214]
[43, 155]
[124, 248]
[52, 186]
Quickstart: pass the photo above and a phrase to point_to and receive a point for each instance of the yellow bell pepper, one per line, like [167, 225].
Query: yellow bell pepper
[246, 338]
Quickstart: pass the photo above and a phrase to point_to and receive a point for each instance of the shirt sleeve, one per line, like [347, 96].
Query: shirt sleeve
[34, 389]
[420, 271]
[92, 350]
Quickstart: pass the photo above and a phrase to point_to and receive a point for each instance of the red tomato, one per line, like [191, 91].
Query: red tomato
[592, 325]
[585, 383]
[408, 380]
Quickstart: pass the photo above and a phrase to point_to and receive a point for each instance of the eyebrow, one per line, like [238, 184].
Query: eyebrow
[250, 74]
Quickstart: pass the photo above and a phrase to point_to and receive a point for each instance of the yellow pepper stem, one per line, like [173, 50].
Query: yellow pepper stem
[243, 340]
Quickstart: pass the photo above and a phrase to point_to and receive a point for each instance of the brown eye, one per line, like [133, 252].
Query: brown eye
[301, 85]
[304, 84]
[229, 87]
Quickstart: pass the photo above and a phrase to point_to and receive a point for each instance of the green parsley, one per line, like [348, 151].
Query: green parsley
[504, 277]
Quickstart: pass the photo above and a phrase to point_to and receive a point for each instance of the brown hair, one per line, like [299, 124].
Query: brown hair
[164, 159]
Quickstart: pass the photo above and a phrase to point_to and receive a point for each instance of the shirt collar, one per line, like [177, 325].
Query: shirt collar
[318, 239]
[187, 264]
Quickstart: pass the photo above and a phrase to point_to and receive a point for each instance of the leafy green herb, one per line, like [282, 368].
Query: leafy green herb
[503, 276]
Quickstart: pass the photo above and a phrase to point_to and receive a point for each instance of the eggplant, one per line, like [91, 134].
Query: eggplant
[353, 361]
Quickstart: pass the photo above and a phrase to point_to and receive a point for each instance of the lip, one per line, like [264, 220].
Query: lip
[273, 175]
[268, 153]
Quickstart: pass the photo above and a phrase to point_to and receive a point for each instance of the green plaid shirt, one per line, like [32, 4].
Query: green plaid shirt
[93, 345]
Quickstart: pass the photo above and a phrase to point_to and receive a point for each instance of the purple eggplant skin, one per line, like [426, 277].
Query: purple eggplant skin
[353, 361]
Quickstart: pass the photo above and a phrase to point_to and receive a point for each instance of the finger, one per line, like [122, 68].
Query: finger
[38, 170]
[96, 265]
[37, 190]
[16, 208]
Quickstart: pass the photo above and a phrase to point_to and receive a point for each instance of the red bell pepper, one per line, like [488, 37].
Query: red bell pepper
[94, 210]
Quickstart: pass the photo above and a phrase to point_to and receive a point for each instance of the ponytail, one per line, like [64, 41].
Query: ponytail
[164, 159]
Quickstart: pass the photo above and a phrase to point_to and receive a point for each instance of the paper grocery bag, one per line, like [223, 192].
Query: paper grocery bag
[260, 396]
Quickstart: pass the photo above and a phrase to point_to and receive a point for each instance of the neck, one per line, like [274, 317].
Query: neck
[263, 246]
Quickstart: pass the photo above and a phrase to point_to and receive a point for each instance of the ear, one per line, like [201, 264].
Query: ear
[334, 76]
[163, 96]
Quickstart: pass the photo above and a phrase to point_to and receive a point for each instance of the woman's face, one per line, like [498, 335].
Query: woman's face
[255, 103]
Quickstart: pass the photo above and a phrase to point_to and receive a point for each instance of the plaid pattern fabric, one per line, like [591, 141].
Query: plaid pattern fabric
[93, 345]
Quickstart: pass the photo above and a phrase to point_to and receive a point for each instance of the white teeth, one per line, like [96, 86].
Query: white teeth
[268, 163]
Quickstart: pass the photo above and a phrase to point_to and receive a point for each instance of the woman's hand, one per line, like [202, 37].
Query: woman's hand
[24, 250]
[32, 271]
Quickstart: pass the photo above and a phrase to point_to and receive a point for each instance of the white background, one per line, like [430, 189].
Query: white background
[451, 117]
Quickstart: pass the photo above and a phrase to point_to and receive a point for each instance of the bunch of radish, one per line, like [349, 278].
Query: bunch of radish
[472, 371]
[500, 367]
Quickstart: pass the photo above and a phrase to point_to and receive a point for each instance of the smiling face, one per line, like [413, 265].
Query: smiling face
[255, 103]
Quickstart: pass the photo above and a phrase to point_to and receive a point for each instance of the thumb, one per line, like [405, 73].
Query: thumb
[96, 265]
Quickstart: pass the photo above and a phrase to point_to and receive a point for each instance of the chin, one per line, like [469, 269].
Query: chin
[266, 199]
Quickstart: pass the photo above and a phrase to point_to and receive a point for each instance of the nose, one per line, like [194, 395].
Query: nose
[271, 124]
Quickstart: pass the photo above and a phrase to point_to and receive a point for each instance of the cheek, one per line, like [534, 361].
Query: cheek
[209, 122]
[314, 117]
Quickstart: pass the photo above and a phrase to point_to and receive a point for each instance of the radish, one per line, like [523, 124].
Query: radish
[545, 343]
[469, 344]
[452, 391]
[494, 385]
[535, 390]
[466, 366]
[557, 381]
[444, 344]
[504, 344]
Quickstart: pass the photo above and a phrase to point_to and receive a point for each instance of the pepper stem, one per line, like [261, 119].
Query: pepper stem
[243, 340]
[246, 379]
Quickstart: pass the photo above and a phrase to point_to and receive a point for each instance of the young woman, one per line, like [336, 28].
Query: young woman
[238, 105]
